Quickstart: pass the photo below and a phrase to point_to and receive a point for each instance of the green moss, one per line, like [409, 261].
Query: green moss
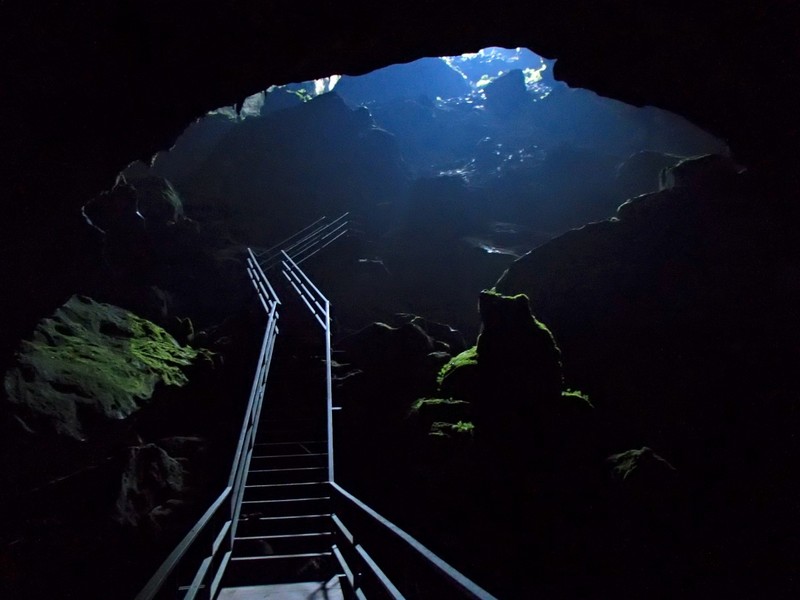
[576, 395]
[467, 358]
[423, 403]
[96, 356]
[442, 429]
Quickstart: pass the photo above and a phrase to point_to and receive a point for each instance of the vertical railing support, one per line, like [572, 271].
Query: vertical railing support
[329, 387]
[320, 308]
[208, 576]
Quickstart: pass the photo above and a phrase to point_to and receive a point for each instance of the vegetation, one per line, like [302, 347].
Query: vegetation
[467, 357]
[436, 402]
[94, 356]
[570, 394]
[442, 429]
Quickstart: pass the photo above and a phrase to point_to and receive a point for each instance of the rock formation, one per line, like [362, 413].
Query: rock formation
[91, 361]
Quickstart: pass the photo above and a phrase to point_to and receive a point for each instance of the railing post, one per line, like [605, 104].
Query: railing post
[329, 387]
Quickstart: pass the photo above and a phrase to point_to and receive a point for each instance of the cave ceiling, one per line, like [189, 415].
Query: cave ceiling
[88, 87]
[91, 86]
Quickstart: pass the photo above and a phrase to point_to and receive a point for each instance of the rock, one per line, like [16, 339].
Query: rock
[701, 172]
[195, 144]
[670, 320]
[507, 94]
[640, 173]
[184, 446]
[150, 488]
[450, 338]
[91, 362]
[514, 370]
[127, 247]
[641, 467]
[380, 346]
[429, 77]
[444, 207]
[157, 201]
[318, 158]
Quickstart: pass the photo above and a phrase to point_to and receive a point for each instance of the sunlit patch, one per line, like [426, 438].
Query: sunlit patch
[325, 84]
[483, 67]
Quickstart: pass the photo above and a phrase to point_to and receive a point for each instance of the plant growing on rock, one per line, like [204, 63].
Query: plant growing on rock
[92, 358]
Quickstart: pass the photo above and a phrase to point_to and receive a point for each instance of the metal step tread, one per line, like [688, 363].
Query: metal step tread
[298, 443]
[281, 556]
[301, 455]
[277, 500]
[281, 485]
[284, 536]
[286, 469]
[281, 518]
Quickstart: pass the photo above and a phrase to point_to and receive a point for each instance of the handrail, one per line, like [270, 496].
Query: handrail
[320, 307]
[308, 241]
[283, 243]
[153, 586]
[458, 579]
[222, 544]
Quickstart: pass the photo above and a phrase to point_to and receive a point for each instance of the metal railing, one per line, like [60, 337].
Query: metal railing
[410, 565]
[305, 243]
[224, 510]
[421, 565]
[320, 307]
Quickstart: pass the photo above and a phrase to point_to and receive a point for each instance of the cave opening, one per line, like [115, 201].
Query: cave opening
[456, 169]
[481, 156]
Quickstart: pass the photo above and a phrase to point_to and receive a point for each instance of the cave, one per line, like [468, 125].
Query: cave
[88, 90]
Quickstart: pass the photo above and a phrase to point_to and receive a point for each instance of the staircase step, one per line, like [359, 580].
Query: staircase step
[288, 507]
[298, 543]
[287, 475]
[265, 447]
[255, 523]
[278, 491]
[302, 459]
[311, 566]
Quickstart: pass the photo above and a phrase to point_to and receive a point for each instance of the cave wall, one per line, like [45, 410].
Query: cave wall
[88, 87]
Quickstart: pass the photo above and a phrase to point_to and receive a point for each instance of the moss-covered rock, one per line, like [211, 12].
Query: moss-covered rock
[442, 416]
[515, 360]
[91, 359]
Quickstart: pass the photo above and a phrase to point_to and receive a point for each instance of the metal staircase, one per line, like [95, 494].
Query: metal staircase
[283, 528]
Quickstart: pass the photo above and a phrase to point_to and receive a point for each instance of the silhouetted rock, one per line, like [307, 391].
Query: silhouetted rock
[444, 207]
[641, 467]
[513, 382]
[670, 320]
[430, 77]
[640, 173]
[157, 201]
[708, 173]
[390, 353]
[151, 487]
[506, 95]
[318, 158]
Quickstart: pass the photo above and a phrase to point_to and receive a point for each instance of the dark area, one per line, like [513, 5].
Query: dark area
[676, 313]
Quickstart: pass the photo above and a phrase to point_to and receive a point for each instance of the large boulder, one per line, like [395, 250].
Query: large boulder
[150, 488]
[90, 364]
[673, 323]
[515, 362]
[512, 380]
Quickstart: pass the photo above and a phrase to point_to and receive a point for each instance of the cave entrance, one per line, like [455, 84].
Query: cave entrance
[452, 166]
